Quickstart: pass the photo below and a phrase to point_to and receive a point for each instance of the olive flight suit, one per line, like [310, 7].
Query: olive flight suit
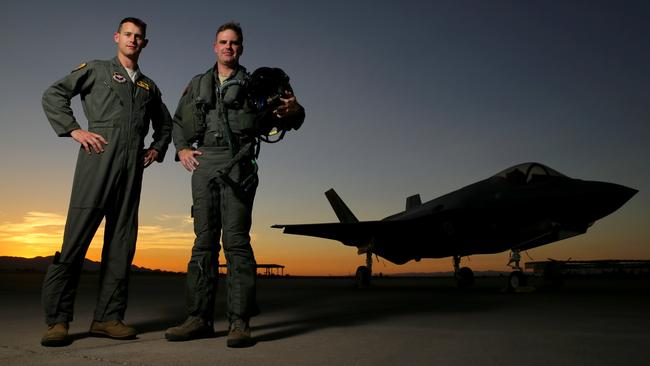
[218, 118]
[106, 184]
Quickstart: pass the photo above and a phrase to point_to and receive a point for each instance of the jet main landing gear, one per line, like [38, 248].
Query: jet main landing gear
[364, 273]
[464, 275]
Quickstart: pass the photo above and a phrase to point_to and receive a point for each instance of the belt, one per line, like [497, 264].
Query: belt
[211, 140]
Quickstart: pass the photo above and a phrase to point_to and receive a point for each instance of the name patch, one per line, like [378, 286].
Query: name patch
[143, 85]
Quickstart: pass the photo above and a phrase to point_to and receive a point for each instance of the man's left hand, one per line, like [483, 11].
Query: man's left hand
[150, 156]
[288, 107]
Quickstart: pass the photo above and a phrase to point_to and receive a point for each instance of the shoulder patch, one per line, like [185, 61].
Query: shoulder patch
[143, 84]
[81, 66]
[187, 88]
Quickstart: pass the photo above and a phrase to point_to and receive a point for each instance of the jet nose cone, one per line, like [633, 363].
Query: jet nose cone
[625, 193]
[618, 193]
[610, 196]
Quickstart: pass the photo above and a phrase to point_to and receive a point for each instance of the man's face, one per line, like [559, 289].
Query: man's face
[228, 48]
[130, 40]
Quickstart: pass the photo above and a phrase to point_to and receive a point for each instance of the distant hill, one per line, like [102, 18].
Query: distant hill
[39, 264]
[487, 273]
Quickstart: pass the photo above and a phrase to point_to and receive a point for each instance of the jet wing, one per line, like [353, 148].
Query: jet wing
[393, 240]
[356, 234]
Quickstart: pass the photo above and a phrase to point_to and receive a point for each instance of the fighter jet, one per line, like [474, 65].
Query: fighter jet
[522, 207]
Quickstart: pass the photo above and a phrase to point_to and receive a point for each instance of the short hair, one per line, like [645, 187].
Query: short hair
[233, 26]
[138, 22]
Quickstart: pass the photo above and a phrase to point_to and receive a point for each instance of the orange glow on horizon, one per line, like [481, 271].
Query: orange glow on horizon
[166, 245]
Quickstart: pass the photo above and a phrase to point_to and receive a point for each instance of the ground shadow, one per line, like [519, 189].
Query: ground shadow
[337, 303]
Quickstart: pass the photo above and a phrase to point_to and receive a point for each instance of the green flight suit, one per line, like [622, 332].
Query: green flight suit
[221, 210]
[106, 184]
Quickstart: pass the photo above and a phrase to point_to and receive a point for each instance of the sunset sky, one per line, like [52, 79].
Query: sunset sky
[402, 97]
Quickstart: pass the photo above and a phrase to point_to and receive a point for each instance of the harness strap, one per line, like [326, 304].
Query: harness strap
[244, 186]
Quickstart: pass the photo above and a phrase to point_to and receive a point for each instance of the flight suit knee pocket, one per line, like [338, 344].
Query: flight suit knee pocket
[57, 277]
[201, 286]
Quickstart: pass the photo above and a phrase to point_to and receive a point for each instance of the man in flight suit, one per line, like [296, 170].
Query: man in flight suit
[224, 180]
[119, 101]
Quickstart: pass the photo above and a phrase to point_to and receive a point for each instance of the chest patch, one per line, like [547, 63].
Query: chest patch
[119, 77]
[144, 85]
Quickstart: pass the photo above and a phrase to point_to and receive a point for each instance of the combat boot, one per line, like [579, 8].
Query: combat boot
[115, 329]
[239, 334]
[56, 335]
[193, 327]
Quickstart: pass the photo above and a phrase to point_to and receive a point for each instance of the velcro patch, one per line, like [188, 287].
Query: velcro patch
[81, 66]
[119, 77]
[143, 85]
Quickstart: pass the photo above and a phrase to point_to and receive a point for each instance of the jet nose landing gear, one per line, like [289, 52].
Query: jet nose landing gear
[517, 280]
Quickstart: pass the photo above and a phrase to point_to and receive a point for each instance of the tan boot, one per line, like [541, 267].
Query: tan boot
[56, 335]
[112, 329]
[193, 328]
[239, 334]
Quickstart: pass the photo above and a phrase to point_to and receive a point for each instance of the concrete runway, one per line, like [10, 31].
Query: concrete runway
[326, 321]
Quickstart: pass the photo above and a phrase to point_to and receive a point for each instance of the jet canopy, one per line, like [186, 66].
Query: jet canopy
[526, 173]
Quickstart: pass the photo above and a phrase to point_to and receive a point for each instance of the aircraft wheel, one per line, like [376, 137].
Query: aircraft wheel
[517, 279]
[465, 277]
[363, 276]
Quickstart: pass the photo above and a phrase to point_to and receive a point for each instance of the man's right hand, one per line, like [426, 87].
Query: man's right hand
[188, 159]
[89, 140]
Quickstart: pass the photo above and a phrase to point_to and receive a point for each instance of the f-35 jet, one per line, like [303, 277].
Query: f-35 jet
[522, 207]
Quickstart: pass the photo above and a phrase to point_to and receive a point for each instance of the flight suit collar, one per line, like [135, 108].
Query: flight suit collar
[209, 81]
[123, 85]
[119, 68]
[120, 81]
[240, 73]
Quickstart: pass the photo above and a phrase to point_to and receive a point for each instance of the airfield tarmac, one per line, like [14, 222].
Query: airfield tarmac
[326, 321]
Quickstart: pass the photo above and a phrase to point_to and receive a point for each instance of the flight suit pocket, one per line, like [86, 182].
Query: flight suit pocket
[142, 112]
[215, 135]
[242, 121]
[96, 126]
[91, 177]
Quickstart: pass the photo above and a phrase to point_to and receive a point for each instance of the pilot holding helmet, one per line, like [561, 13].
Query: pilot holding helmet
[217, 128]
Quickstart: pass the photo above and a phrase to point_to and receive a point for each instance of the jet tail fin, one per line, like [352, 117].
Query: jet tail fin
[413, 201]
[341, 210]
